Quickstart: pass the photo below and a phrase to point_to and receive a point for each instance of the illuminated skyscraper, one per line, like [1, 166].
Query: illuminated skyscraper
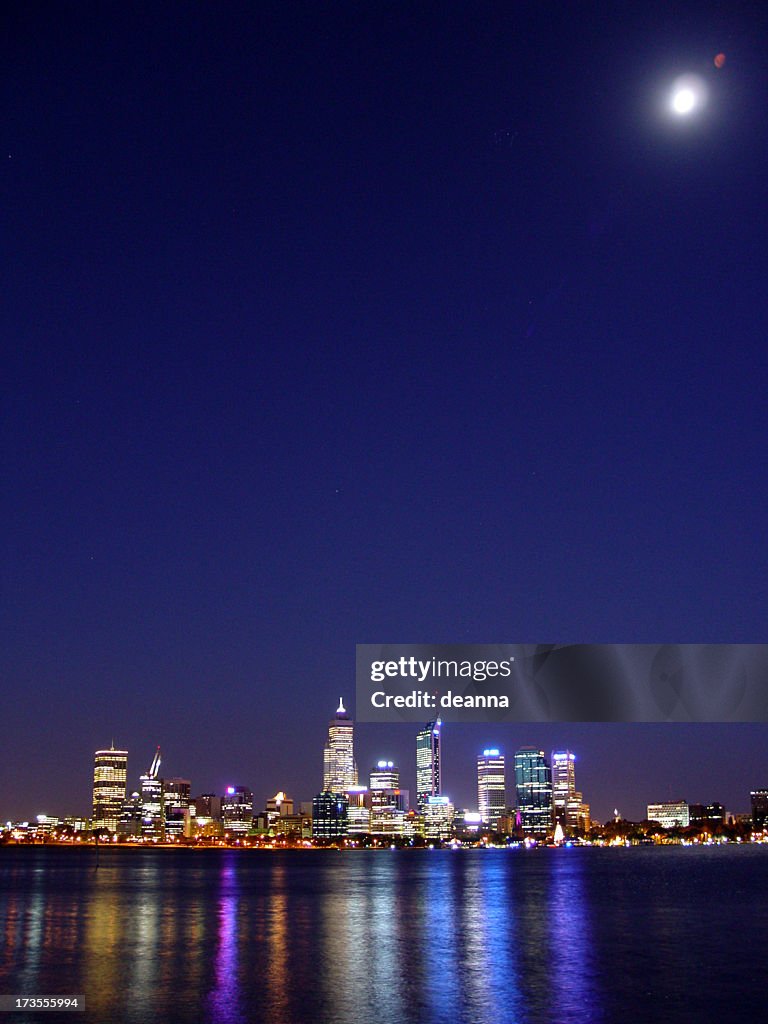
[438, 814]
[386, 775]
[491, 786]
[176, 805]
[339, 768]
[428, 763]
[563, 781]
[237, 809]
[151, 794]
[329, 816]
[533, 789]
[569, 809]
[110, 772]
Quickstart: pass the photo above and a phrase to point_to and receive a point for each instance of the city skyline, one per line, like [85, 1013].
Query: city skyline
[106, 769]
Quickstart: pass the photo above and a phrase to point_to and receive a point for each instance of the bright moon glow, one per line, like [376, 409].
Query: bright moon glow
[683, 101]
[688, 95]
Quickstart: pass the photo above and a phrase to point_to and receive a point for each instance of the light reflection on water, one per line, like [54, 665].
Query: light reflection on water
[229, 937]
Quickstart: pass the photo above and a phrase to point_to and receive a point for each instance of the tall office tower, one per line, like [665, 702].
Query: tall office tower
[329, 816]
[110, 773]
[563, 782]
[151, 793]
[386, 775]
[491, 786]
[176, 805]
[339, 768]
[428, 763]
[568, 805]
[237, 809]
[358, 810]
[533, 790]
[130, 819]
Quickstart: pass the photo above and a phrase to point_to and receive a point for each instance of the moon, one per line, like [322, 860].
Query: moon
[683, 101]
[688, 96]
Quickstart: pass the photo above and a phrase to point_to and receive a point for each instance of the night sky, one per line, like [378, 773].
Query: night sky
[339, 323]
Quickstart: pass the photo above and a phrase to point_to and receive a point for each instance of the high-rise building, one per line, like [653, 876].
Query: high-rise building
[110, 773]
[428, 763]
[130, 818]
[386, 775]
[151, 794]
[568, 805]
[329, 816]
[759, 801]
[237, 809]
[533, 790]
[386, 795]
[563, 782]
[339, 768]
[176, 805]
[491, 786]
[438, 814]
[358, 810]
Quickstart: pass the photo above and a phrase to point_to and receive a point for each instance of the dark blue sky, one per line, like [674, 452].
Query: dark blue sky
[327, 324]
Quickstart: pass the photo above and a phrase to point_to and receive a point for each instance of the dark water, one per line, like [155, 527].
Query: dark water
[651, 934]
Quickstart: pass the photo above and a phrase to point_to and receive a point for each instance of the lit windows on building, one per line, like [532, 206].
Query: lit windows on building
[339, 767]
[358, 810]
[110, 773]
[569, 809]
[237, 809]
[329, 816]
[438, 813]
[674, 814]
[707, 816]
[176, 806]
[491, 786]
[428, 763]
[533, 792]
[759, 804]
[386, 775]
[151, 794]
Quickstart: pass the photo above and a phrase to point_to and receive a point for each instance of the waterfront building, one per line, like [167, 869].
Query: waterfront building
[279, 806]
[358, 810]
[151, 794]
[568, 806]
[110, 774]
[438, 814]
[491, 786]
[76, 823]
[706, 815]
[339, 767]
[759, 802]
[130, 817]
[386, 775]
[533, 792]
[673, 814]
[207, 808]
[388, 821]
[176, 806]
[329, 816]
[428, 763]
[237, 809]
